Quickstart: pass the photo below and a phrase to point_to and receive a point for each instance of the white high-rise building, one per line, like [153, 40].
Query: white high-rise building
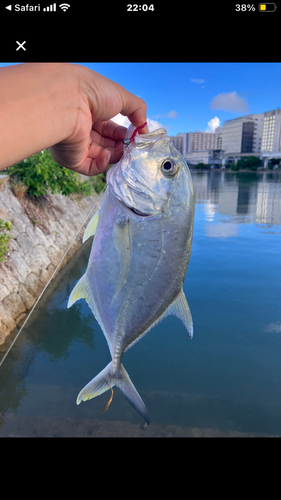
[200, 141]
[243, 134]
[177, 141]
[196, 141]
[271, 133]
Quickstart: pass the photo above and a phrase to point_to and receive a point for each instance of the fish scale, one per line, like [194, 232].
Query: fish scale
[140, 254]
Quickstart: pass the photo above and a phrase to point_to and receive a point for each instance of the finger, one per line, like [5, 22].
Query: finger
[134, 120]
[100, 163]
[95, 166]
[99, 141]
[110, 129]
[135, 109]
[116, 152]
[115, 148]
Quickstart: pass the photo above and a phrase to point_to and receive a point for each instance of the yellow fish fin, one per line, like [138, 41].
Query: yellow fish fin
[80, 291]
[91, 227]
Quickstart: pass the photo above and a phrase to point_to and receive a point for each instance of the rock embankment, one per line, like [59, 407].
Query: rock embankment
[40, 235]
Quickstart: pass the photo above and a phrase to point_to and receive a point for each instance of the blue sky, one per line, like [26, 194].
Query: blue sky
[181, 96]
[185, 97]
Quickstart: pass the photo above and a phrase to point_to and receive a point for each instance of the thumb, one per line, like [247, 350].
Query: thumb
[135, 109]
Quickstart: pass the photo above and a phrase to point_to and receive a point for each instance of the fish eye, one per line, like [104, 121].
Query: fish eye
[168, 167]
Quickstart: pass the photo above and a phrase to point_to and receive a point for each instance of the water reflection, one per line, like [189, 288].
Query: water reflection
[52, 330]
[253, 197]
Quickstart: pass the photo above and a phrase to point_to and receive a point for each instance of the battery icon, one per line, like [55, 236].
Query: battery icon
[267, 7]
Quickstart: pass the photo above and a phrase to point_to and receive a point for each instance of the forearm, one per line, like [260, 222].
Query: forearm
[37, 109]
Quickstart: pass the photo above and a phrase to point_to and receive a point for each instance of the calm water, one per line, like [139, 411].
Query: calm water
[226, 381]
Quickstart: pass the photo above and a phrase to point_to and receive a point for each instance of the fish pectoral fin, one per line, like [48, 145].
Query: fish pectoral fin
[91, 227]
[80, 291]
[180, 309]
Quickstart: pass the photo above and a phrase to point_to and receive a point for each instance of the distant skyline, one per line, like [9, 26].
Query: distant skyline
[190, 97]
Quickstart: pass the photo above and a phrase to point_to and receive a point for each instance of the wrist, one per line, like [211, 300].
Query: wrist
[62, 86]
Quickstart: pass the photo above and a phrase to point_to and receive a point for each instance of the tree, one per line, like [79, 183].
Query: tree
[201, 165]
[272, 162]
[40, 172]
[251, 162]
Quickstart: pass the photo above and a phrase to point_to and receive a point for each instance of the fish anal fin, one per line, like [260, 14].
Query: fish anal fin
[80, 291]
[180, 309]
[91, 227]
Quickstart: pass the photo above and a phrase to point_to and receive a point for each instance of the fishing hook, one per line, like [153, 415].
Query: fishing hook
[110, 399]
[128, 140]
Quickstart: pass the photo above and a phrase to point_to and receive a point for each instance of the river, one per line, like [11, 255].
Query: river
[226, 381]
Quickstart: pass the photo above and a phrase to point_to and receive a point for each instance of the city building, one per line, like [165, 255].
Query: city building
[196, 141]
[271, 133]
[200, 141]
[208, 157]
[178, 142]
[242, 135]
[250, 135]
[199, 157]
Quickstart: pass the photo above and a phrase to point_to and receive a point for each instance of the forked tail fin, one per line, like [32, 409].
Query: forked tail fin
[105, 380]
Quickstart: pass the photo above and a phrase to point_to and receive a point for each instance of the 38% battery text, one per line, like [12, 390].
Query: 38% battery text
[244, 8]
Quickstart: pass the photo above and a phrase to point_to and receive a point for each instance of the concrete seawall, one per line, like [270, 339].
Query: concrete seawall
[40, 235]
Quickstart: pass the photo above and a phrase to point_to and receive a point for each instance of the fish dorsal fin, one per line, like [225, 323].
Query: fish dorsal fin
[91, 227]
[180, 309]
[80, 291]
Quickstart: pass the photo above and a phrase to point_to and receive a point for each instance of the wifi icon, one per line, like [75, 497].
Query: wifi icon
[64, 6]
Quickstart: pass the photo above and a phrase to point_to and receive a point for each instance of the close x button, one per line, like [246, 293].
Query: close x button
[21, 45]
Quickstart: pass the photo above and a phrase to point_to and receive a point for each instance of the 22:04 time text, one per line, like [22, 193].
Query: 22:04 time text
[135, 7]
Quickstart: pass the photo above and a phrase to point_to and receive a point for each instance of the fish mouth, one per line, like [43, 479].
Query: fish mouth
[138, 212]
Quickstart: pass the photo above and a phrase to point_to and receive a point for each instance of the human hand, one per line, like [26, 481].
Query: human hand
[95, 140]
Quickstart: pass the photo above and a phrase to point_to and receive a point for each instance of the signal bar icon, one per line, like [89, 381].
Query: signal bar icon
[64, 6]
[51, 8]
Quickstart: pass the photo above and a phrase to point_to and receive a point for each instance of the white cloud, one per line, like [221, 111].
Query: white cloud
[170, 114]
[213, 124]
[273, 327]
[153, 125]
[125, 122]
[197, 80]
[230, 101]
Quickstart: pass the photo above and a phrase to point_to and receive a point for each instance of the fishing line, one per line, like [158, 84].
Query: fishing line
[46, 286]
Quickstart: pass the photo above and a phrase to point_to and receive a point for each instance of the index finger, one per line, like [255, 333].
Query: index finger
[110, 129]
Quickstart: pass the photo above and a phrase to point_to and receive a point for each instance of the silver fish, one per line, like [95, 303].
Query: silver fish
[140, 253]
